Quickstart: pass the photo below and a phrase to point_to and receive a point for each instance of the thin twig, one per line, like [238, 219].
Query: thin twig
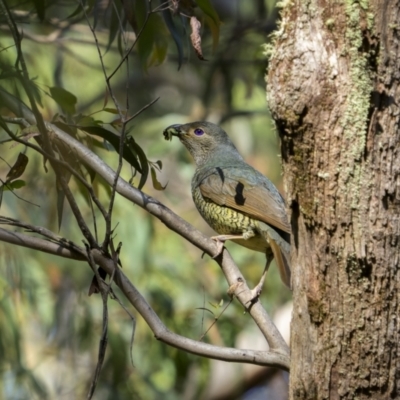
[216, 320]
[24, 78]
[133, 319]
[144, 108]
[108, 216]
[7, 185]
[126, 55]
[123, 117]
[62, 249]
[104, 290]
[41, 231]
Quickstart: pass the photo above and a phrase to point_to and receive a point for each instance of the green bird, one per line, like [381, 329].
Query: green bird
[236, 200]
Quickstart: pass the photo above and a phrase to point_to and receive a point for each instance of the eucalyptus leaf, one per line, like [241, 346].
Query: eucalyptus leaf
[18, 168]
[137, 150]
[66, 100]
[113, 139]
[17, 184]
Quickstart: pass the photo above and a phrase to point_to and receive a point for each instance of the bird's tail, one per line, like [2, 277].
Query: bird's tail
[282, 258]
[281, 251]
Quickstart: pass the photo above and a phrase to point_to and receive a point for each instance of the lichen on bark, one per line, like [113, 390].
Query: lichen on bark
[331, 87]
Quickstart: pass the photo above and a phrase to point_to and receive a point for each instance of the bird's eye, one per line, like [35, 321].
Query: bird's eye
[198, 132]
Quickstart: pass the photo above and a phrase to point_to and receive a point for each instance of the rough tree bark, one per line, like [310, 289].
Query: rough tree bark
[333, 89]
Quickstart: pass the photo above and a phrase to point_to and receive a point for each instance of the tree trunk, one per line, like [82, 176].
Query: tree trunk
[333, 89]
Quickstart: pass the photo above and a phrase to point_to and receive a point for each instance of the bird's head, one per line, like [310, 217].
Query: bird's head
[202, 139]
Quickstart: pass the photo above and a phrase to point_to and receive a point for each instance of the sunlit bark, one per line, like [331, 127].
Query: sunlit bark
[333, 89]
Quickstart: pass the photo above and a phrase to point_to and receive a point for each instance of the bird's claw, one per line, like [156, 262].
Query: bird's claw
[221, 239]
[255, 294]
[220, 242]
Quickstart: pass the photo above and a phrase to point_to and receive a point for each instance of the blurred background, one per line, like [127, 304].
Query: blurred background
[49, 327]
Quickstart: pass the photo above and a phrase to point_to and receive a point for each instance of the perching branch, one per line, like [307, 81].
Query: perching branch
[169, 218]
[277, 356]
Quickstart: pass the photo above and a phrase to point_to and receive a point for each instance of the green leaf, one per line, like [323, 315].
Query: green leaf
[17, 184]
[40, 9]
[208, 9]
[114, 27]
[159, 53]
[99, 181]
[76, 12]
[156, 184]
[153, 40]
[3, 124]
[86, 120]
[214, 32]
[110, 110]
[205, 309]
[159, 163]
[114, 140]
[64, 99]
[91, 172]
[60, 206]
[31, 87]
[108, 146]
[86, 5]
[175, 33]
[213, 19]
[137, 150]
[61, 196]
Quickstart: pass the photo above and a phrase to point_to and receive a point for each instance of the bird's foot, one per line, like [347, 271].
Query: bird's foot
[220, 241]
[255, 294]
[220, 245]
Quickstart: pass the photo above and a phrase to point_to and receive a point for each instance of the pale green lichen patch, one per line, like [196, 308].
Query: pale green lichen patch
[330, 23]
[355, 118]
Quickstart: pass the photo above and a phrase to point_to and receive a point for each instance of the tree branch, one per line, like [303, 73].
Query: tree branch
[273, 357]
[35, 243]
[170, 219]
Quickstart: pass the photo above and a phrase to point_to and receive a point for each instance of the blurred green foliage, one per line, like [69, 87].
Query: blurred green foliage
[49, 328]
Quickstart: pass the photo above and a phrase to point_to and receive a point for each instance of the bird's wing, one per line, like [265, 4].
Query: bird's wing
[248, 196]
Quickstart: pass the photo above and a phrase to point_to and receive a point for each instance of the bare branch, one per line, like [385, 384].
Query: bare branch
[276, 357]
[104, 291]
[144, 108]
[58, 249]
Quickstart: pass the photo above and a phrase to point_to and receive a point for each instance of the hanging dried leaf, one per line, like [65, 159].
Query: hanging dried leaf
[156, 184]
[196, 38]
[18, 168]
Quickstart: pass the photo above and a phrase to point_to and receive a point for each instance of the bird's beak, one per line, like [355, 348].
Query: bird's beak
[173, 130]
